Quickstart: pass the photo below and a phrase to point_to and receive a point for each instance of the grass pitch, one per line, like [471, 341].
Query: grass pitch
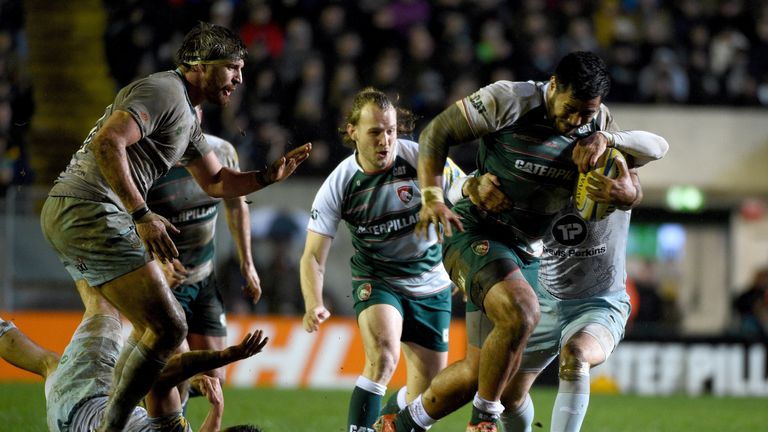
[22, 409]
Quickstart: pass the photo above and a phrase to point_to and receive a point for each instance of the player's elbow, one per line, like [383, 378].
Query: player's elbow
[661, 147]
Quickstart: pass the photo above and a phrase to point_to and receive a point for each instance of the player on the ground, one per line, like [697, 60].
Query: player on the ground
[399, 285]
[535, 138]
[77, 383]
[96, 217]
[191, 276]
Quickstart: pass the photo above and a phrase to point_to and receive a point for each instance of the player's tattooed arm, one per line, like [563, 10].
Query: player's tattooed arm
[449, 128]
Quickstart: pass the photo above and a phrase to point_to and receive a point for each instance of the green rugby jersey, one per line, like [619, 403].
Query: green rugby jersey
[529, 156]
[179, 198]
[381, 210]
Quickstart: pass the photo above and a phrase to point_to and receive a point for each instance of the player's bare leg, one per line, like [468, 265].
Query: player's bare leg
[380, 328]
[143, 297]
[449, 390]
[513, 308]
[422, 365]
[19, 350]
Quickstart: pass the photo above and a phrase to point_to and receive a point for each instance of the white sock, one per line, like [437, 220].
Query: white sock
[519, 420]
[419, 414]
[370, 386]
[570, 404]
[491, 407]
[402, 402]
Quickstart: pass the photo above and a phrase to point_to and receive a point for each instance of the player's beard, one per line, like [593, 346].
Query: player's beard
[216, 95]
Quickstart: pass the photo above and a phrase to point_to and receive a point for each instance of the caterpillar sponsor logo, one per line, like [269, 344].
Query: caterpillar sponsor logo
[585, 130]
[80, 265]
[576, 252]
[477, 102]
[389, 226]
[544, 170]
[194, 214]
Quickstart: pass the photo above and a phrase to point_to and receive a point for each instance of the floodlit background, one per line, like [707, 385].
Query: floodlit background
[695, 72]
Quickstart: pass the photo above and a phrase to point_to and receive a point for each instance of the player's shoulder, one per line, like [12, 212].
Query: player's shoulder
[220, 145]
[343, 173]
[604, 118]
[166, 80]
[164, 90]
[504, 89]
[408, 150]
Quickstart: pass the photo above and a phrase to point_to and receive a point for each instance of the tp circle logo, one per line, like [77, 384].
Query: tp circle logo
[569, 230]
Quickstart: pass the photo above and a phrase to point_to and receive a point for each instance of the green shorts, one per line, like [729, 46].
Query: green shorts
[203, 307]
[466, 256]
[95, 241]
[426, 320]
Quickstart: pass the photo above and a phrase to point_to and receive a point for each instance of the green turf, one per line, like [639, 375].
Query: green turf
[22, 409]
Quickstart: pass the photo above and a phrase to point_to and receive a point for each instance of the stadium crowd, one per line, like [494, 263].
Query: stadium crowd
[308, 58]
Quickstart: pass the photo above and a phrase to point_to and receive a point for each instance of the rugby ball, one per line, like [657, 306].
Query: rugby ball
[588, 209]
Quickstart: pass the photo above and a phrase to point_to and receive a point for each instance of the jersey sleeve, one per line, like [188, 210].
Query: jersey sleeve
[498, 105]
[150, 111]
[605, 120]
[644, 147]
[198, 146]
[325, 215]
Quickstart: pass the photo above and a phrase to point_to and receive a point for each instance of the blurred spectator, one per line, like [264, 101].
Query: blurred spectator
[429, 52]
[663, 80]
[751, 307]
[261, 29]
[16, 98]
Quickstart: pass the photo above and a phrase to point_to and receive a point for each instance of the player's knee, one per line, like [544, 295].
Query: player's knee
[512, 401]
[386, 366]
[572, 365]
[517, 313]
[171, 332]
[572, 353]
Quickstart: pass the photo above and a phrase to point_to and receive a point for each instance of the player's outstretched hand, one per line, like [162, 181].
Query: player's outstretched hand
[620, 191]
[588, 150]
[153, 230]
[433, 214]
[286, 165]
[313, 317]
[251, 345]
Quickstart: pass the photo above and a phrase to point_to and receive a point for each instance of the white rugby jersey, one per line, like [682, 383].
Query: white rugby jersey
[381, 210]
[585, 259]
